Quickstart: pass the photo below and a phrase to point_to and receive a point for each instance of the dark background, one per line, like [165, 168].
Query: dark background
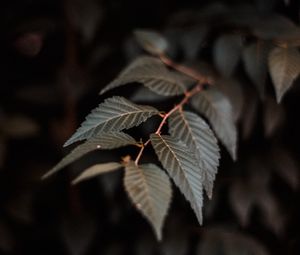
[55, 57]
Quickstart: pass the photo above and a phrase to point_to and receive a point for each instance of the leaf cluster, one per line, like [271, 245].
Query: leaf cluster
[188, 149]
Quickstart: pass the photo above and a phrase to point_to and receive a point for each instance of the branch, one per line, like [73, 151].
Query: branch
[141, 152]
[188, 95]
[184, 69]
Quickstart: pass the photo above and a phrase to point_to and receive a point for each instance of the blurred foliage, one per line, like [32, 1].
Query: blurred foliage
[57, 55]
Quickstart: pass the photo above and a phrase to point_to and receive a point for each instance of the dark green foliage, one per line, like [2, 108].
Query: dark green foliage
[213, 106]
[191, 154]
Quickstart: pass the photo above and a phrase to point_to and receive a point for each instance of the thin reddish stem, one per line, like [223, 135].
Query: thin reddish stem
[201, 79]
[183, 69]
[141, 152]
[186, 98]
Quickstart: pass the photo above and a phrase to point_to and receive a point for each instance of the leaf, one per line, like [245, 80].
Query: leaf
[255, 61]
[150, 190]
[104, 141]
[284, 66]
[285, 166]
[217, 109]
[233, 90]
[197, 135]
[254, 191]
[151, 41]
[95, 170]
[192, 40]
[115, 114]
[19, 127]
[181, 165]
[227, 51]
[276, 27]
[249, 115]
[78, 232]
[273, 116]
[222, 240]
[152, 73]
[85, 17]
[143, 95]
[242, 201]
[270, 209]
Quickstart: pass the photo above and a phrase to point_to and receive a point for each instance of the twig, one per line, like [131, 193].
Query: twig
[186, 98]
[183, 69]
[141, 152]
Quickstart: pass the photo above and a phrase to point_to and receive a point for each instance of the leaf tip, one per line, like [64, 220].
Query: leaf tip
[234, 156]
[102, 91]
[200, 218]
[233, 152]
[158, 234]
[209, 194]
[45, 176]
[67, 143]
[75, 181]
[279, 98]
[74, 138]
[48, 174]
[151, 41]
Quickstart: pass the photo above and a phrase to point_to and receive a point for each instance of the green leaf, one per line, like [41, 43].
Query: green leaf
[273, 116]
[223, 240]
[249, 121]
[150, 190]
[285, 165]
[95, 170]
[153, 74]
[151, 41]
[104, 141]
[227, 53]
[255, 61]
[19, 127]
[217, 109]
[192, 40]
[181, 165]
[233, 91]
[115, 114]
[242, 201]
[197, 135]
[276, 27]
[284, 66]
[145, 96]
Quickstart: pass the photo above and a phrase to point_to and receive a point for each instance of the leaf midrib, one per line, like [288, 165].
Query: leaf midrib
[214, 108]
[120, 116]
[178, 161]
[154, 77]
[189, 129]
[151, 201]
